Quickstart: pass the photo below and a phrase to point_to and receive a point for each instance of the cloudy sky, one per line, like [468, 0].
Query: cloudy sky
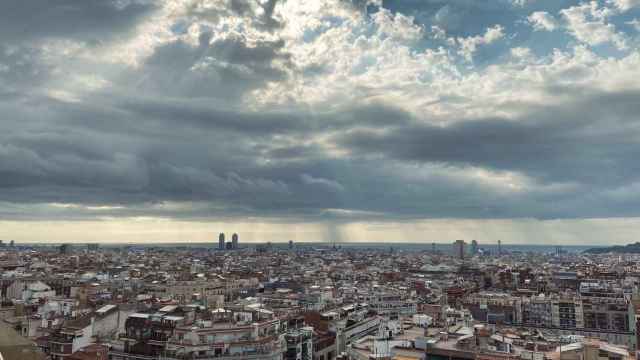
[319, 120]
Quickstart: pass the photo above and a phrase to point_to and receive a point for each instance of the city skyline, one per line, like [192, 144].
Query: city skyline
[360, 121]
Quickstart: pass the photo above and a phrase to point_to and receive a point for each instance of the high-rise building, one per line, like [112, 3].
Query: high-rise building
[559, 250]
[64, 249]
[458, 249]
[499, 247]
[234, 241]
[221, 245]
[474, 247]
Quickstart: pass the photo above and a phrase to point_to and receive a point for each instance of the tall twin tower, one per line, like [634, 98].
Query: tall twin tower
[232, 245]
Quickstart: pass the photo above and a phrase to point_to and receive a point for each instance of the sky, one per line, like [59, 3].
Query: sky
[320, 120]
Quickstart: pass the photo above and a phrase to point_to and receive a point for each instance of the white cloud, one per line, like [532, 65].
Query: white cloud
[397, 26]
[635, 23]
[355, 58]
[356, 64]
[469, 45]
[364, 59]
[522, 53]
[522, 3]
[542, 21]
[64, 96]
[589, 24]
[340, 56]
[624, 5]
[326, 183]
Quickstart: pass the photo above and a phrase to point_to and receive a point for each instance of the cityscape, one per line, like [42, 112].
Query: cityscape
[319, 180]
[230, 300]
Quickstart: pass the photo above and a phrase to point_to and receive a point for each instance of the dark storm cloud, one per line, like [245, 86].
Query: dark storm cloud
[21, 66]
[590, 141]
[86, 154]
[225, 68]
[176, 129]
[293, 152]
[136, 153]
[86, 20]
[67, 160]
[205, 116]
[21, 71]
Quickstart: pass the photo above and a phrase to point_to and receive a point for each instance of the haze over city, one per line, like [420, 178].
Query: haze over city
[333, 120]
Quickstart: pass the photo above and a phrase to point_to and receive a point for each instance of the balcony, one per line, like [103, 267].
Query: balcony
[239, 341]
[273, 352]
[123, 355]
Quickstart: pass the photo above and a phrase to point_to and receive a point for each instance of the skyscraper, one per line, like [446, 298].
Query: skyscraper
[221, 241]
[458, 249]
[64, 249]
[474, 247]
[234, 241]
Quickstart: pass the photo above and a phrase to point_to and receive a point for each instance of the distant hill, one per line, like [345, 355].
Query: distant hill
[621, 249]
